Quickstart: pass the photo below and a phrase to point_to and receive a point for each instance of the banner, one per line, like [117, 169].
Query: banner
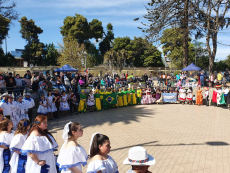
[214, 97]
[110, 99]
[222, 100]
[169, 97]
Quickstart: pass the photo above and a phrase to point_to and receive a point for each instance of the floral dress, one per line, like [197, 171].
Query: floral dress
[64, 106]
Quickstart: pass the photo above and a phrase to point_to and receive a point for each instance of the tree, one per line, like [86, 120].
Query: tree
[95, 56]
[110, 58]
[34, 50]
[211, 17]
[121, 59]
[4, 28]
[51, 56]
[7, 59]
[72, 52]
[227, 61]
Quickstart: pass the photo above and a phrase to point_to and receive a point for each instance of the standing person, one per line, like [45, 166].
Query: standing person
[6, 137]
[51, 107]
[177, 77]
[27, 79]
[202, 79]
[82, 105]
[120, 98]
[139, 95]
[139, 160]
[57, 102]
[64, 106]
[182, 93]
[189, 95]
[22, 109]
[10, 83]
[124, 97]
[178, 84]
[207, 95]
[30, 105]
[199, 96]
[134, 98]
[5, 106]
[219, 77]
[18, 161]
[13, 111]
[2, 84]
[91, 101]
[169, 82]
[40, 157]
[129, 97]
[98, 151]
[72, 149]
[18, 81]
[72, 102]
[42, 109]
[212, 80]
[97, 100]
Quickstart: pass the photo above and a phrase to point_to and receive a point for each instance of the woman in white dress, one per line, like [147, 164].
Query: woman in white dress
[18, 161]
[64, 106]
[22, 109]
[91, 101]
[6, 136]
[182, 93]
[42, 109]
[99, 149]
[189, 95]
[51, 105]
[39, 148]
[72, 155]
[13, 109]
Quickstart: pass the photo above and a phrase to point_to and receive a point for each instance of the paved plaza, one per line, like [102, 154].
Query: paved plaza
[182, 138]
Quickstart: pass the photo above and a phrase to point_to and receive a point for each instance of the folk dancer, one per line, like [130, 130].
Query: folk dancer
[31, 104]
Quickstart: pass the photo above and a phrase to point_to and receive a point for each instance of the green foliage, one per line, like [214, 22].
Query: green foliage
[220, 66]
[4, 27]
[227, 61]
[51, 56]
[94, 56]
[7, 60]
[176, 73]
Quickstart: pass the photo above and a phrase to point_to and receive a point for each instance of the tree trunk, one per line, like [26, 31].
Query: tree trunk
[185, 34]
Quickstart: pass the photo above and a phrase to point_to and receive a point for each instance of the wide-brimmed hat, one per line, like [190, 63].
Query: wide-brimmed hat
[218, 86]
[138, 156]
[4, 95]
[206, 88]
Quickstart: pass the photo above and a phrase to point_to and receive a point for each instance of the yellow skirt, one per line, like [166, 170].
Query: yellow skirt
[98, 104]
[125, 100]
[134, 99]
[129, 99]
[82, 106]
[120, 101]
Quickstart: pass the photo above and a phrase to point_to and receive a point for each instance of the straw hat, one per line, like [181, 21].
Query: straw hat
[218, 86]
[138, 156]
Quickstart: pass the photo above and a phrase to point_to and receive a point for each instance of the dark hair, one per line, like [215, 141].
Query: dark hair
[1, 112]
[73, 128]
[62, 92]
[21, 128]
[38, 120]
[4, 124]
[98, 139]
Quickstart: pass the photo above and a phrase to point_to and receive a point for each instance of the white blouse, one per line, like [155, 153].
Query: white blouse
[71, 157]
[105, 166]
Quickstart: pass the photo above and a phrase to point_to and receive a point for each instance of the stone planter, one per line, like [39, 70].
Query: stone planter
[135, 85]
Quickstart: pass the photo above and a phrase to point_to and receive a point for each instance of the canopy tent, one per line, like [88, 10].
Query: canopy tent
[191, 67]
[65, 68]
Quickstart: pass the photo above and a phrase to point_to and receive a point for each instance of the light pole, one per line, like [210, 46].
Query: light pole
[85, 53]
[6, 43]
[165, 63]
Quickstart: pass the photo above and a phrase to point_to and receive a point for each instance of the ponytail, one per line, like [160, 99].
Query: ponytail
[98, 139]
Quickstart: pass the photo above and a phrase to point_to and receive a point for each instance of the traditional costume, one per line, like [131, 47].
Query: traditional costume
[120, 98]
[74, 156]
[97, 101]
[64, 106]
[144, 96]
[129, 97]
[199, 97]
[22, 109]
[139, 94]
[219, 92]
[31, 104]
[5, 154]
[5, 106]
[52, 107]
[14, 116]
[90, 101]
[134, 98]
[42, 109]
[182, 94]
[189, 95]
[206, 93]
[101, 92]
[43, 148]
[125, 103]
[82, 104]
[18, 161]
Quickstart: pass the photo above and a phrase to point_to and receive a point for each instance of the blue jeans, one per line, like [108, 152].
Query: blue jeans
[202, 82]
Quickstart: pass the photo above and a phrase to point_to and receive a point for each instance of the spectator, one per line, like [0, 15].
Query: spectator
[2, 84]
[10, 83]
[57, 102]
[28, 75]
[90, 82]
[202, 79]
[227, 74]
[145, 77]
[35, 85]
[49, 84]
[43, 90]
[219, 77]
[52, 81]
[81, 81]
[103, 83]
[19, 87]
[178, 77]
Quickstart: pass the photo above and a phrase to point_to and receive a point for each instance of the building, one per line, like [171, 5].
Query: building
[17, 54]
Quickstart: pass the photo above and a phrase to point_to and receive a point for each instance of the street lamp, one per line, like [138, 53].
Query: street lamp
[85, 53]
[6, 43]
[165, 63]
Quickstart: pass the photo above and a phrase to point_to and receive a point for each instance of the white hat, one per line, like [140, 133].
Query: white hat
[138, 156]
[9, 95]
[4, 95]
[27, 94]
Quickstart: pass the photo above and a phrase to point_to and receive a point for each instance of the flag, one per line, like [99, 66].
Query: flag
[169, 97]
[214, 97]
[222, 100]
[110, 99]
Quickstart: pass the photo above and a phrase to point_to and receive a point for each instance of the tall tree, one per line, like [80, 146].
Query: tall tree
[51, 55]
[4, 28]
[110, 58]
[34, 49]
[121, 57]
[7, 59]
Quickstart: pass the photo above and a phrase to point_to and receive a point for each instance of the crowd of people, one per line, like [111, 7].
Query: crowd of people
[27, 150]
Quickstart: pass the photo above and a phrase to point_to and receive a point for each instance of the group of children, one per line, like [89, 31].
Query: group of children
[30, 150]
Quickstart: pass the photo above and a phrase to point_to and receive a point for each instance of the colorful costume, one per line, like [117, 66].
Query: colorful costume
[129, 97]
[134, 98]
[82, 104]
[101, 96]
[199, 97]
[125, 103]
[120, 99]
[182, 94]
[97, 102]
[139, 93]
[64, 106]
[90, 101]
[189, 95]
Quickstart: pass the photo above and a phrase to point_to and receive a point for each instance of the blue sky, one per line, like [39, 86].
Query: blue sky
[49, 15]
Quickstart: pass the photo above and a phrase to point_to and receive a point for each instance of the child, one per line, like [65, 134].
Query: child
[139, 153]
[207, 95]
[64, 107]
[18, 161]
[139, 94]
[6, 136]
[82, 104]
[182, 93]
[72, 102]
[98, 151]
[158, 96]
[189, 95]
[97, 100]
[90, 101]
[51, 105]
[42, 109]
[71, 149]
[194, 100]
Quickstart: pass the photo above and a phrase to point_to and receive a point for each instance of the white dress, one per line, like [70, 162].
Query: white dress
[5, 106]
[14, 116]
[189, 96]
[90, 103]
[182, 94]
[22, 108]
[71, 157]
[5, 139]
[53, 106]
[30, 102]
[64, 106]
[44, 150]
[16, 144]
[41, 109]
[105, 166]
